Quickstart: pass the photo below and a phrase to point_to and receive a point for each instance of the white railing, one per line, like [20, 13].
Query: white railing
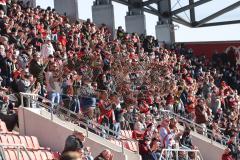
[196, 127]
[19, 147]
[68, 115]
[179, 154]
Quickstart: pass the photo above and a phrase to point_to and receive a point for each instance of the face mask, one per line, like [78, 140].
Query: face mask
[131, 110]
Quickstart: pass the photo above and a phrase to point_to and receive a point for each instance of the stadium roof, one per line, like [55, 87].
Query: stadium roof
[189, 12]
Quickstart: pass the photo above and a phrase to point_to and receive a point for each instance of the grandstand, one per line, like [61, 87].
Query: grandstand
[83, 90]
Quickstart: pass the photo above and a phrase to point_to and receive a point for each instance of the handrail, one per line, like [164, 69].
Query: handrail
[170, 151]
[18, 146]
[206, 132]
[73, 116]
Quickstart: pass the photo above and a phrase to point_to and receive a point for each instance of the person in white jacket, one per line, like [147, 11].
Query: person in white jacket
[47, 48]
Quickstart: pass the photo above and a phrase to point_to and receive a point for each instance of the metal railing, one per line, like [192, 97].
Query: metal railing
[19, 147]
[67, 115]
[177, 154]
[196, 127]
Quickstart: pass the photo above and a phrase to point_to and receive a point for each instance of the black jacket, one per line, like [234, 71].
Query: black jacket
[37, 71]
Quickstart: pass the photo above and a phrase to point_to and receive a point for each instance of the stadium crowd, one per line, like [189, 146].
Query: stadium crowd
[120, 83]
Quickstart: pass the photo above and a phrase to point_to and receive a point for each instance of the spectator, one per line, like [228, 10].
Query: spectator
[47, 48]
[105, 155]
[186, 140]
[7, 113]
[71, 155]
[53, 82]
[74, 142]
[227, 155]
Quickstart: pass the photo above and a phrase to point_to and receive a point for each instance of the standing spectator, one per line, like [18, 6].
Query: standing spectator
[201, 115]
[53, 82]
[36, 68]
[118, 112]
[47, 48]
[6, 66]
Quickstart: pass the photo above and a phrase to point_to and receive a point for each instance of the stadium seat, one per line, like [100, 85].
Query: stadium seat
[12, 154]
[130, 146]
[6, 155]
[10, 139]
[23, 141]
[16, 139]
[29, 142]
[35, 142]
[3, 127]
[4, 139]
[37, 155]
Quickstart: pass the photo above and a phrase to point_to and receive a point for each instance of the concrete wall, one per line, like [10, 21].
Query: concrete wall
[32, 2]
[70, 7]
[165, 34]
[209, 151]
[136, 23]
[53, 134]
[104, 14]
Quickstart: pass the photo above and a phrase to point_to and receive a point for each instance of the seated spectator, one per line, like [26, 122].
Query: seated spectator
[74, 142]
[71, 155]
[105, 155]
[227, 154]
[7, 113]
[186, 140]
[144, 148]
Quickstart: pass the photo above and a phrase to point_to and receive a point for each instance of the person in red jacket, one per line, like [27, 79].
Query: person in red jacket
[227, 155]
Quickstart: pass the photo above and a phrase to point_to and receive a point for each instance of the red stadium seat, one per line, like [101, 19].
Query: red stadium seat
[24, 155]
[3, 127]
[35, 142]
[32, 155]
[3, 139]
[29, 142]
[12, 154]
[130, 146]
[23, 141]
[43, 155]
[37, 155]
[10, 139]
[16, 139]
[49, 155]
[6, 155]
